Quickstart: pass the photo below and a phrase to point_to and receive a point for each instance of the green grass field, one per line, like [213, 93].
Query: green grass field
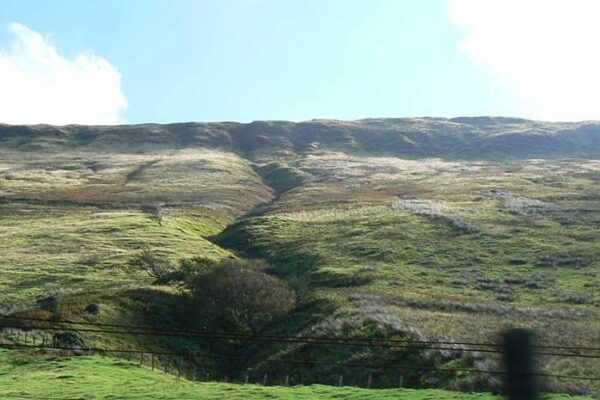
[28, 376]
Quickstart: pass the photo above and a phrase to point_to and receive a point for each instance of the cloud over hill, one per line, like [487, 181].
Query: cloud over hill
[39, 85]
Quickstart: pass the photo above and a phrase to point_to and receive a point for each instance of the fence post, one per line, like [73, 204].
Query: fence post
[370, 381]
[194, 374]
[401, 382]
[520, 383]
[265, 380]
[287, 380]
[341, 380]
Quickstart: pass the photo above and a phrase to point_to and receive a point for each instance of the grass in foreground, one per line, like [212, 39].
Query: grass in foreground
[24, 375]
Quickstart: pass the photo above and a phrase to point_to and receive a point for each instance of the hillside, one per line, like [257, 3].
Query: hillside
[426, 228]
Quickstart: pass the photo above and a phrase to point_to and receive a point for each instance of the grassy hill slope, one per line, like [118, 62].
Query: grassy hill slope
[427, 228]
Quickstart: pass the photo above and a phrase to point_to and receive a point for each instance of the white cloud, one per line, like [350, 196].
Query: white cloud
[38, 85]
[546, 50]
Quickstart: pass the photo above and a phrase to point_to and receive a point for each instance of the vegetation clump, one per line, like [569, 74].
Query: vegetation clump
[52, 303]
[236, 294]
[226, 294]
[70, 340]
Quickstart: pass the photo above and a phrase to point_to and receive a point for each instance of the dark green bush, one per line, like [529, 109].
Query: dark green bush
[236, 294]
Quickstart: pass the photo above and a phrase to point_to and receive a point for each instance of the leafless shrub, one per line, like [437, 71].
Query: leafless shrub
[157, 267]
[154, 210]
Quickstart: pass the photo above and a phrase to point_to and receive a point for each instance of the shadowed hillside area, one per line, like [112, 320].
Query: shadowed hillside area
[425, 229]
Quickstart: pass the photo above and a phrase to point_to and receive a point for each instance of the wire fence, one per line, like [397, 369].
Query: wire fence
[32, 333]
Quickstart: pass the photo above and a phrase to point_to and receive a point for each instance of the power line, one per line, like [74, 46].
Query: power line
[237, 335]
[262, 339]
[301, 339]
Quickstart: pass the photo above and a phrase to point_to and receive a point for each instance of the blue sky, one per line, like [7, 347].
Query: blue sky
[244, 60]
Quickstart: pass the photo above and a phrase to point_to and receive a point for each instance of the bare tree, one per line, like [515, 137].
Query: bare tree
[158, 267]
[155, 211]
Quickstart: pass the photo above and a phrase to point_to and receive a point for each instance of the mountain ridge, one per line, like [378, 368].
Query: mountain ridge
[470, 138]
